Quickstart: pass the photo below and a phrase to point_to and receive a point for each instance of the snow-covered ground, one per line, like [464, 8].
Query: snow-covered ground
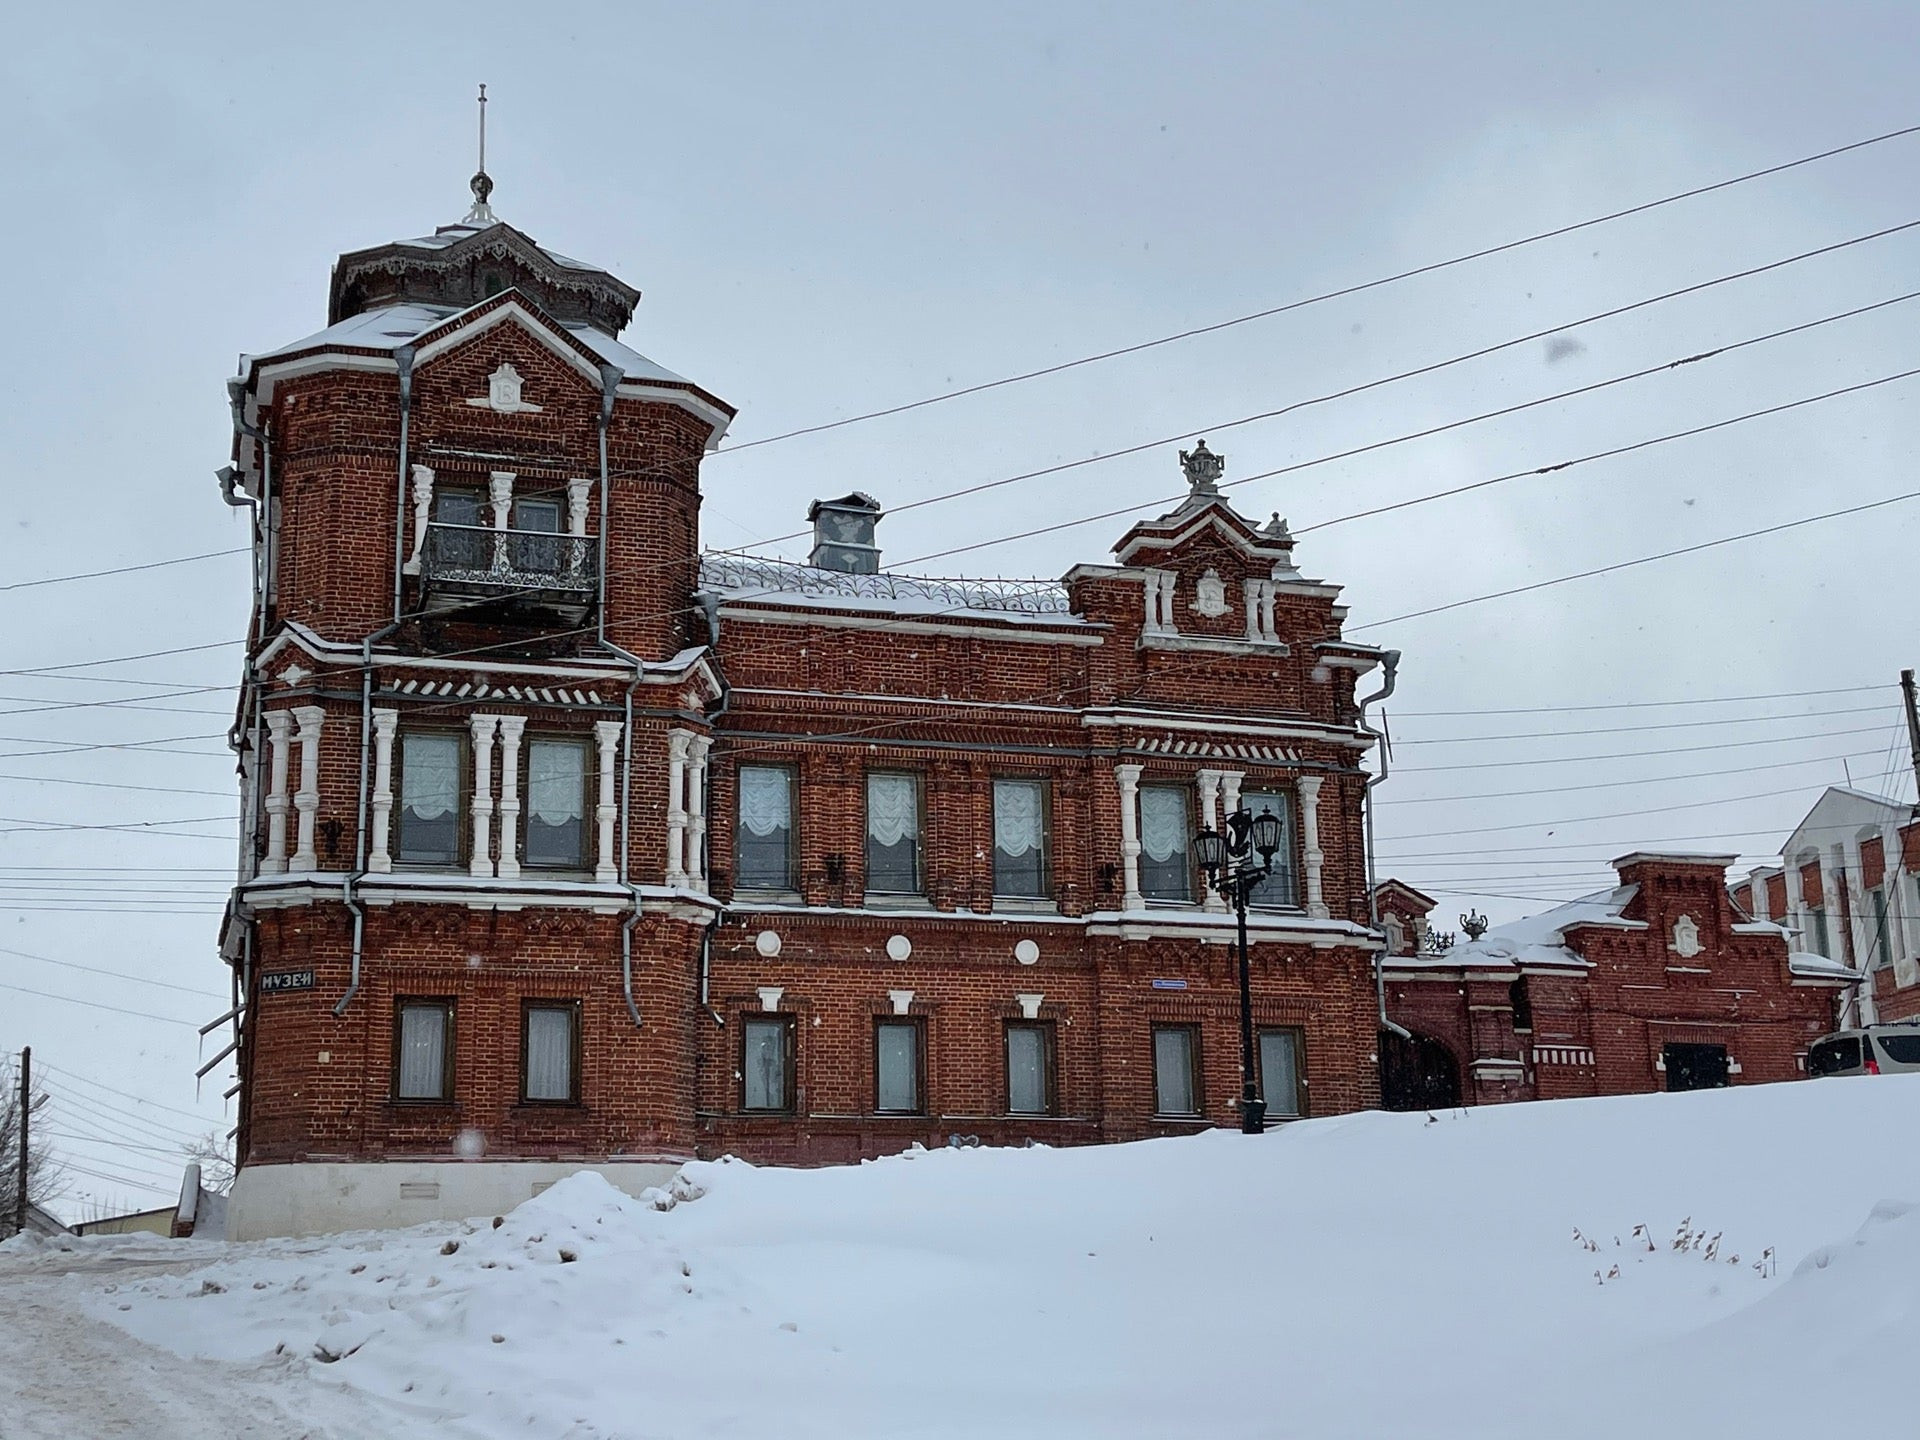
[1374, 1275]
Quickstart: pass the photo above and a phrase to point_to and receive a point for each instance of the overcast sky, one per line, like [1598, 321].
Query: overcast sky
[832, 209]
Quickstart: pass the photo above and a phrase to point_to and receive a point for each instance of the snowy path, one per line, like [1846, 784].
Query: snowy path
[67, 1376]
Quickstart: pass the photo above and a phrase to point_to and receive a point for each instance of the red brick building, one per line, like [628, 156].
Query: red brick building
[569, 844]
[1662, 983]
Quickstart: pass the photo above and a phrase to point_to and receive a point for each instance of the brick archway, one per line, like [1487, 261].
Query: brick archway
[1417, 1074]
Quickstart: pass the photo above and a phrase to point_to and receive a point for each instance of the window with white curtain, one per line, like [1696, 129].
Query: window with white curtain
[557, 804]
[550, 1053]
[1280, 1070]
[1176, 1085]
[763, 841]
[893, 834]
[896, 1046]
[423, 1050]
[766, 1063]
[1020, 839]
[431, 813]
[1280, 890]
[1166, 872]
[1029, 1068]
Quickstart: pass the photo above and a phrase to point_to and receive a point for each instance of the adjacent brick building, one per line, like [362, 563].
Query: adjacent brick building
[570, 844]
[1661, 983]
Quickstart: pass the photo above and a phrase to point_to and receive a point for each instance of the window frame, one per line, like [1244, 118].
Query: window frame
[916, 1025]
[588, 764]
[1302, 1106]
[462, 792]
[791, 885]
[919, 888]
[1049, 1067]
[572, 1009]
[1188, 894]
[1195, 1078]
[445, 1005]
[788, 1063]
[1043, 894]
[1287, 858]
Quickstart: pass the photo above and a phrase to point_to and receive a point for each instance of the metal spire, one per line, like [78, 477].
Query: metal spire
[482, 183]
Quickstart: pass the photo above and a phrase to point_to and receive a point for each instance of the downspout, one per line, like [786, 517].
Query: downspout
[610, 376]
[1390, 666]
[403, 358]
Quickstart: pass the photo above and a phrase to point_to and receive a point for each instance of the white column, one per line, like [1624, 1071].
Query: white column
[1230, 791]
[1128, 778]
[1167, 582]
[677, 743]
[1250, 594]
[500, 492]
[1208, 782]
[607, 733]
[697, 810]
[511, 728]
[1309, 786]
[1796, 903]
[577, 492]
[483, 727]
[385, 723]
[1268, 629]
[278, 722]
[306, 802]
[422, 509]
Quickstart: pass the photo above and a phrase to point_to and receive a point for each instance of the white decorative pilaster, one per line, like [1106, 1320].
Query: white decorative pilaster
[278, 724]
[1796, 903]
[1311, 858]
[697, 751]
[483, 727]
[1128, 779]
[422, 510]
[500, 493]
[678, 742]
[1230, 791]
[1159, 602]
[1259, 598]
[385, 723]
[607, 734]
[306, 802]
[1208, 784]
[511, 729]
[577, 493]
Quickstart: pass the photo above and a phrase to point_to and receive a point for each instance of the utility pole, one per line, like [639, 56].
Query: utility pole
[1913, 729]
[26, 1110]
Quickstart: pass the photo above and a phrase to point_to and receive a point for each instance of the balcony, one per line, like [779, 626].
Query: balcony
[535, 567]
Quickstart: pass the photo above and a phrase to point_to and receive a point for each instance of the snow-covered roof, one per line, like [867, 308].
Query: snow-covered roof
[1807, 963]
[1541, 939]
[753, 578]
[389, 327]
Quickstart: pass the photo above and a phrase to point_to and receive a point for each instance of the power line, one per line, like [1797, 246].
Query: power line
[124, 659]
[1612, 815]
[1649, 559]
[1482, 797]
[1628, 754]
[94, 1004]
[112, 785]
[112, 974]
[123, 1094]
[1642, 729]
[1646, 704]
[1335, 294]
[123, 569]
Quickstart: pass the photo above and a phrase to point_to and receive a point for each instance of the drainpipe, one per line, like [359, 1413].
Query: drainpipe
[1390, 667]
[403, 357]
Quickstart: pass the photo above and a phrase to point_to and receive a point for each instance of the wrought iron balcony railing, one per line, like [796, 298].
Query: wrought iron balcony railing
[485, 560]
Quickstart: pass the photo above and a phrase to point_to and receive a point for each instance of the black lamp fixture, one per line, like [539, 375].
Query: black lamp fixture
[1235, 863]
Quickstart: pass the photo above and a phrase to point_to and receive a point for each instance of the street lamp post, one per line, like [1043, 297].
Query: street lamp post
[1235, 862]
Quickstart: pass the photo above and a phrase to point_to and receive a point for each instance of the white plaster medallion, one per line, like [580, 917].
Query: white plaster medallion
[1210, 596]
[899, 947]
[1026, 952]
[767, 942]
[1686, 938]
[503, 394]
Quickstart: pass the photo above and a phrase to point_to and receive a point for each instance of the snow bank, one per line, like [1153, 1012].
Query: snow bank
[1659, 1264]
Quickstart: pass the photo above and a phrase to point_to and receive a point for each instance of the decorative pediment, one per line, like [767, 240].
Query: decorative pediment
[503, 394]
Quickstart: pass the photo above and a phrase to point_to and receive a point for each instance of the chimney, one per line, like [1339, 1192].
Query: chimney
[843, 534]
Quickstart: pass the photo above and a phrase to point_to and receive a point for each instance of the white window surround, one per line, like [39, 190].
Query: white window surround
[279, 723]
[679, 744]
[306, 802]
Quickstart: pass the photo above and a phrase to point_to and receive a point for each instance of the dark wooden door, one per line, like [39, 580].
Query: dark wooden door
[1417, 1074]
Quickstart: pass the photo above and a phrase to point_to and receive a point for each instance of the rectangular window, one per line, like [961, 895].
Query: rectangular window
[1166, 829]
[763, 841]
[550, 1053]
[896, 1045]
[766, 1064]
[1281, 1067]
[1176, 1082]
[1020, 839]
[1279, 890]
[537, 545]
[1882, 942]
[459, 537]
[1029, 1069]
[432, 818]
[557, 804]
[1815, 935]
[893, 834]
[423, 1050]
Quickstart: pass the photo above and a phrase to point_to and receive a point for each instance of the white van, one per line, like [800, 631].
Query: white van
[1876, 1050]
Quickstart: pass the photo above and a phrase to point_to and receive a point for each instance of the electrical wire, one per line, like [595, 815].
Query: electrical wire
[94, 1004]
[111, 974]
